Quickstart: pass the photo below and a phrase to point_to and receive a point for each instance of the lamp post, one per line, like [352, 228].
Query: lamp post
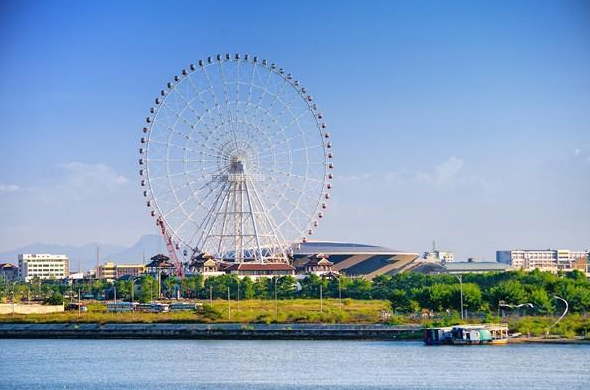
[228, 305]
[13, 287]
[460, 277]
[340, 291]
[562, 315]
[276, 300]
[321, 300]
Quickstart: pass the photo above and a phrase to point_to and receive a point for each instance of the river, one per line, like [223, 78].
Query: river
[257, 365]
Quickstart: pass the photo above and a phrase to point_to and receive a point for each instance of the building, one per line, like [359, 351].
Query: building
[459, 267]
[110, 270]
[43, 266]
[260, 270]
[8, 272]
[319, 266]
[206, 265]
[106, 271]
[551, 260]
[439, 257]
[160, 265]
[367, 261]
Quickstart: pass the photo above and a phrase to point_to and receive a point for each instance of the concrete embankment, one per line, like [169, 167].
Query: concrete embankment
[211, 331]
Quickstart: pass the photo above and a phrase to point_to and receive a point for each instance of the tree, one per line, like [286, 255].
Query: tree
[192, 286]
[286, 287]
[541, 301]
[148, 289]
[511, 292]
[472, 297]
[247, 288]
[381, 288]
[55, 299]
[263, 288]
[170, 284]
[310, 286]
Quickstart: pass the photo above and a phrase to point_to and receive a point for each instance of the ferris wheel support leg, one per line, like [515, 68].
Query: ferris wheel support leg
[254, 224]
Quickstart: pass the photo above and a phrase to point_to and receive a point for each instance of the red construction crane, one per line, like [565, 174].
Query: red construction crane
[171, 248]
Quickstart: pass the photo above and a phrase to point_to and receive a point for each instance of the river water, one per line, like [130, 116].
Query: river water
[257, 365]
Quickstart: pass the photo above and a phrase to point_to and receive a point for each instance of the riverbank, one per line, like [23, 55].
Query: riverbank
[212, 331]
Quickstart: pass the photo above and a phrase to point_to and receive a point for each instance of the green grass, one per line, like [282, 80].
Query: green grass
[246, 311]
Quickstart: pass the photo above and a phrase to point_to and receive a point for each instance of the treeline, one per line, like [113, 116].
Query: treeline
[407, 292]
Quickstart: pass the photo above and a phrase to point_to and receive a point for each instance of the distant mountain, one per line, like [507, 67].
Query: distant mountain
[85, 255]
[149, 245]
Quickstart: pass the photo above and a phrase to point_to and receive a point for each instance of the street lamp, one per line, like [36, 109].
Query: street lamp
[562, 315]
[460, 277]
[13, 287]
[321, 300]
[276, 300]
[340, 292]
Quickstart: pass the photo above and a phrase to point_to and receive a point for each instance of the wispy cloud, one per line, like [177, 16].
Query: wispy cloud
[8, 188]
[82, 174]
[444, 174]
[447, 170]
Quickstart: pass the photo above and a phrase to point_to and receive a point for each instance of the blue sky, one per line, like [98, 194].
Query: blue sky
[465, 122]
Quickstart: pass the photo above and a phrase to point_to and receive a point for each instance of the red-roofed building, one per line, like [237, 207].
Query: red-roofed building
[260, 270]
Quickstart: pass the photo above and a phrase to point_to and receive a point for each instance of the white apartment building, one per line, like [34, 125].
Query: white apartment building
[43, 266]
[439, 257]
[545, 260]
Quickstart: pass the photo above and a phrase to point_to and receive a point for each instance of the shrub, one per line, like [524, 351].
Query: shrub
[55, 299]
[210, 312]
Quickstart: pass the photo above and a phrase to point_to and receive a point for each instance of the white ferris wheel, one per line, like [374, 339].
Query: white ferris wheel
[236, 160]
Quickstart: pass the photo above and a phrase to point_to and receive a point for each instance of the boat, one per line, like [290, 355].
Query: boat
[476, 334]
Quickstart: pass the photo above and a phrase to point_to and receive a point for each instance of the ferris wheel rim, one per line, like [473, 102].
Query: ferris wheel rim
[301, 92]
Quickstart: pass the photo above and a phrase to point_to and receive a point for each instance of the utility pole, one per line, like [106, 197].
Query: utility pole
[238, 295]
[276, 300]
[211, 295]
[321, 300]
[97, 261]
[228, 305]
[79, 303]
[460, 277]
[340, 291]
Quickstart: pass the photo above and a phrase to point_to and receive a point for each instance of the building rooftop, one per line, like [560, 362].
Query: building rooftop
[260, 267]
[476, 266]
[314, 247]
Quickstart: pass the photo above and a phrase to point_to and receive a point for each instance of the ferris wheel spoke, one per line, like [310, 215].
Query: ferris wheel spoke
[200, 119]
[213, 94]
[276, 235]
[210, 217]
[184, 135]
[199, 94]
[285, 105]
[227, 101]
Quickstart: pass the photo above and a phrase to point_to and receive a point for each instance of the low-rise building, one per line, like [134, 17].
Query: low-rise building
[260, 270]
[551, 260]
[110, 270]
[459, 267]
[43, 266]
[8, 272]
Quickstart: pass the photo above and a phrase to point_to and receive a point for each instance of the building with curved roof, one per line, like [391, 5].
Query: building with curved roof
[355, 259]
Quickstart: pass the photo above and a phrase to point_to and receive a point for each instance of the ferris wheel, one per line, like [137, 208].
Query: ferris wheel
[236, 160]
